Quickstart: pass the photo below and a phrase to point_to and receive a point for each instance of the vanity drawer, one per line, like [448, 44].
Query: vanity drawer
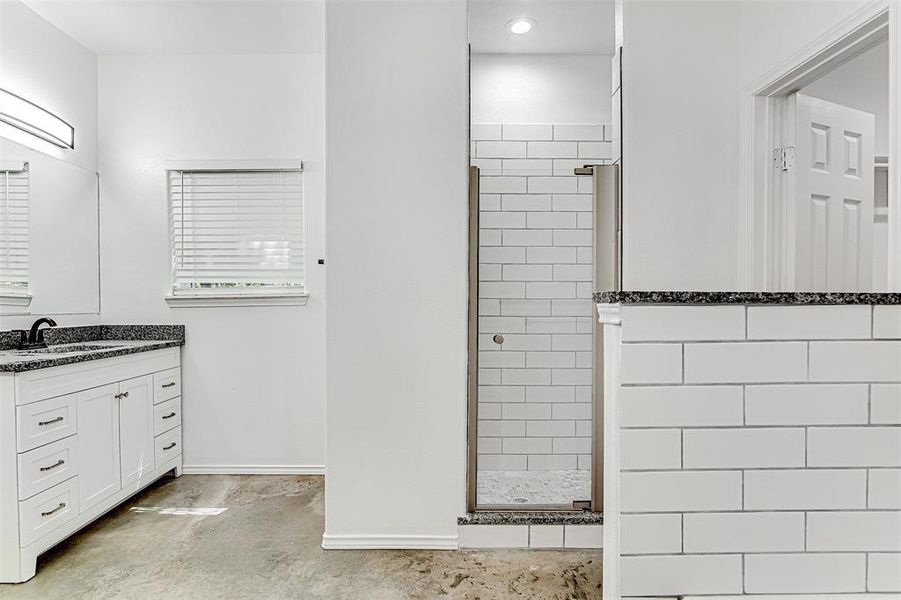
[166, 416]
[47, 511]
[44, 467]
[166, 385]
[168, 446]
[46, 421]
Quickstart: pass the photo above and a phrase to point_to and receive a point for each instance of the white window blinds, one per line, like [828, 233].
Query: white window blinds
[236, 230]
[14, 230]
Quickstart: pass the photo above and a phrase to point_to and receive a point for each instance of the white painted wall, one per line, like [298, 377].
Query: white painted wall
[861, 83]
[45, 66]
[685, 64]
[253, 377]
[397, 283]
[533, 88]
[680, 144]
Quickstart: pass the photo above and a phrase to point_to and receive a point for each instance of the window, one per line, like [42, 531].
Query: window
[14, 232]
[236, 234]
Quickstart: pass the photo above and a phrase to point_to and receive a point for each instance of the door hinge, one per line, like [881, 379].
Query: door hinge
[784, 158]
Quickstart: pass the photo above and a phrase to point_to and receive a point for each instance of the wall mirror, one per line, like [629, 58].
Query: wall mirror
[49, 236]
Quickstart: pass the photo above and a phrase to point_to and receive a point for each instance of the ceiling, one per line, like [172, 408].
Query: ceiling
[188, 26]
[297, 26]
[562, 26]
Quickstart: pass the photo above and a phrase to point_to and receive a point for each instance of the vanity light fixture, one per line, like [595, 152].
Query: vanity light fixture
[27, 116]
[521, 26]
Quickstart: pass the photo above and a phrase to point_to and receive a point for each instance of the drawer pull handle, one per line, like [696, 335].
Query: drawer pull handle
[169, 447]
[170, 384]
[59, 463]
[169, 416]
[50, 422]
[61, 506]
[122, 395]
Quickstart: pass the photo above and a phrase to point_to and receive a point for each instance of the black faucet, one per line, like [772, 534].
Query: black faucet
[36, 334]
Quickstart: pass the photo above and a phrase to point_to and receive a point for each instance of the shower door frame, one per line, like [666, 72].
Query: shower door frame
[607, 230]
[472, 371]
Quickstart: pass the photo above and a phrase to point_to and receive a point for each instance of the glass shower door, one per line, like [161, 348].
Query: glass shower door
[535, 342]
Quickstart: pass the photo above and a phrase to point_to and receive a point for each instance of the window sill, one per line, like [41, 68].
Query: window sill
[188, 300]
[17, 300]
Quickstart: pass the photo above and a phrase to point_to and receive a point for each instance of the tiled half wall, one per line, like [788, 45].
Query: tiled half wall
[759, 450]
[535, 290]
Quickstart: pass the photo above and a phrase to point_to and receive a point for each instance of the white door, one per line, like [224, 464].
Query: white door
[136, 428]
[834, 190]
[98, 445]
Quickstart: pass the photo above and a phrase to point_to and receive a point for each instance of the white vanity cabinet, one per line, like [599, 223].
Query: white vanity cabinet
[78, 439]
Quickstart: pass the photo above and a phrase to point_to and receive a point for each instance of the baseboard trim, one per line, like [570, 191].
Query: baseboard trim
[389, 542]
[253, 470]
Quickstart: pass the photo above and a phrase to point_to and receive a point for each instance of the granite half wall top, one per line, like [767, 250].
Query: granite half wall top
[786, 298]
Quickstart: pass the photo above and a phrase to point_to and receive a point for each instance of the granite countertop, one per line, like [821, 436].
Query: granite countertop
[531, 518]
[68, 345]
[801, 298]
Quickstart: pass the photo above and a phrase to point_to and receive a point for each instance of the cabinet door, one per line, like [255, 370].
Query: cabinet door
[98, 445]
[136, 428]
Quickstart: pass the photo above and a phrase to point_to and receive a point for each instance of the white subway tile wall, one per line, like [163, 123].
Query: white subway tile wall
[760, 450]
[531, 536]
[535, 274]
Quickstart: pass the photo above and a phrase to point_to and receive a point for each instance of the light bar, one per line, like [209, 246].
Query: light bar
[39, 122]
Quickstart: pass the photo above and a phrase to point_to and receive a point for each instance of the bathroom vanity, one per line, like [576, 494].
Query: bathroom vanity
[84, 424]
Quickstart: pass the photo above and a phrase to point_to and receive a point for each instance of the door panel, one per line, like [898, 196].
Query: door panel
[136, 428]
[98, 445]
[834, 196]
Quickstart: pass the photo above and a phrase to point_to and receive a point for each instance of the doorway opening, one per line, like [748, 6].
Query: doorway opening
[540, 109]
[819, 163]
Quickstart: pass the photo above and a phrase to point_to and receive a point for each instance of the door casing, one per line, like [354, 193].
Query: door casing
[764, 263]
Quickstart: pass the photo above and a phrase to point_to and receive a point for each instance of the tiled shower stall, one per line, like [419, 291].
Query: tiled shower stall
[535, 309]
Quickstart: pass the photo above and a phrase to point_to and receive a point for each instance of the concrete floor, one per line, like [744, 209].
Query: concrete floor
[267, 545]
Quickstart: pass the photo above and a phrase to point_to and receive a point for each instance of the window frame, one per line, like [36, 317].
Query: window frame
[13, 301]
[230, 296]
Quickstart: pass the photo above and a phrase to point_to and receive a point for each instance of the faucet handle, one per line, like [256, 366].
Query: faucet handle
[36, 334]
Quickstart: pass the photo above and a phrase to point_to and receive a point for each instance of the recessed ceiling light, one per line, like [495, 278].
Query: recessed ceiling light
[521, 25]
